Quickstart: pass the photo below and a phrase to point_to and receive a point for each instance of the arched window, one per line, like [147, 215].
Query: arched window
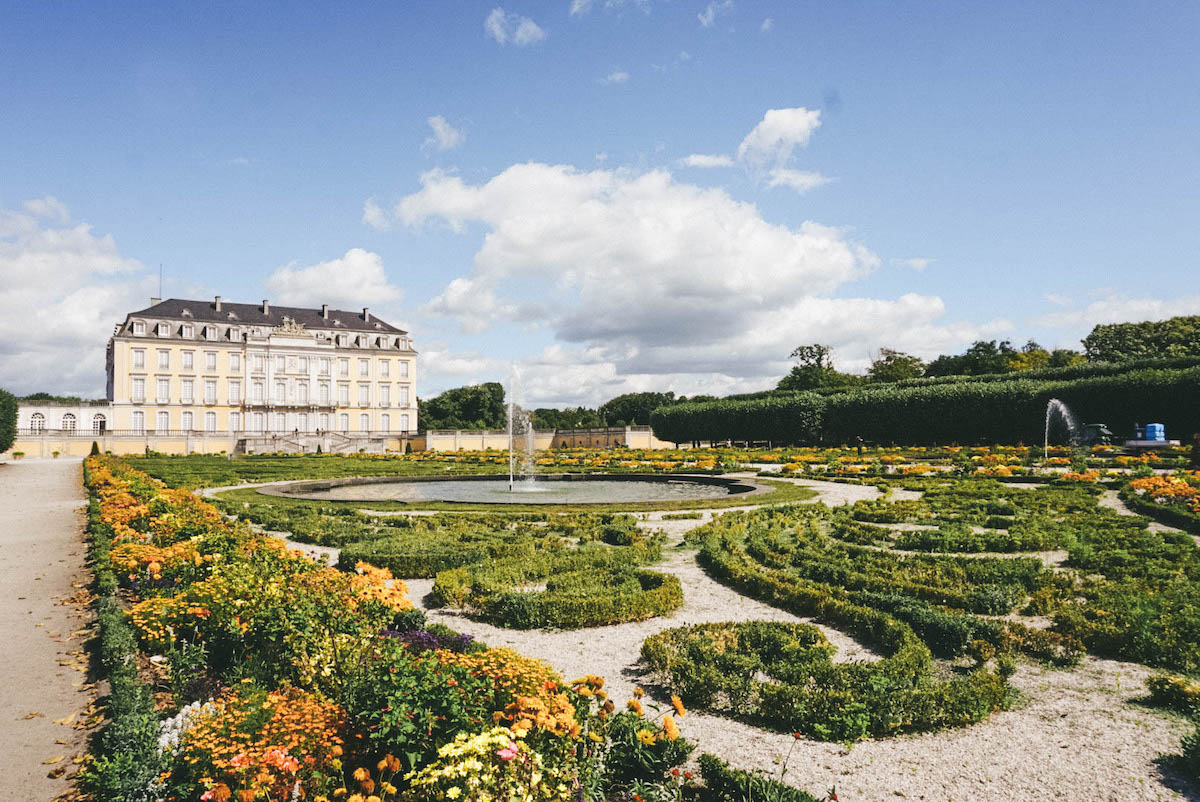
[210, 421]
[68, 422]
[344, 422]
[404, 422]
[37, 422]
[99, 424]
[385, 422]
[364, 422]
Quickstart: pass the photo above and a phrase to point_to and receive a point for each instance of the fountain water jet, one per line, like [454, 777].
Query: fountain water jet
[519, 422]
[1064, 412]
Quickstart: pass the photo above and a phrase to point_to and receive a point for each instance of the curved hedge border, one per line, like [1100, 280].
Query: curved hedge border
[1006, 411]
[126, 759]
[1163, 513]
[586, 588]
[914, 699]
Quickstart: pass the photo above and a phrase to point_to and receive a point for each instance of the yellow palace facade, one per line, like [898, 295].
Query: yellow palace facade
[187, 375]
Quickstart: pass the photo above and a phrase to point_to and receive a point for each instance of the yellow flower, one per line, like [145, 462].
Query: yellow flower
[360, 774]
[638, 693]
[453, 792]
[595, 737]
[677, 703]
[646, 737]
[635, 706]
[669, 727]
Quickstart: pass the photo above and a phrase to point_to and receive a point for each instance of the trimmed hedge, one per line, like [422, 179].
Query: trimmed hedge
[1163, 513]
[592, 586]
[723, 784]
[1002, 411]
[126, 759]
[8, 420]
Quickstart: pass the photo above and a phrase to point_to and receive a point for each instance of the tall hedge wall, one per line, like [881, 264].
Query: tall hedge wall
[964, 412]
[8, 420]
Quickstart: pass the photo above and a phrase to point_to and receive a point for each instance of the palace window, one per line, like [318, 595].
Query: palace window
[258, 421]
[385, 422]
[164, 360]
[280, 364]
[344, 422]
[164, 391]
[162, 422]
[302, 393]
[364, 422]
[259, 364]
[37, 422]
[99, 424]
[257, 392]
[324, 368]
[210, 421]
[304, 364]
[385, 368]
[138, 391]
[68, 422]
[186, 421]
[164, 329]
[280, 422]
[364, 368]
[210, 391]
[235, 363]
[364, 395]
[323, 421]
[186, 391]
[404, 401]
[385, 395]
[324, 390]
[189, 360]
[235, 421]
[189, 330]
[404, 422]
[302, 422]
[235, 391]
[404, 368]
[139, 327]
[210, 360]
[343, 367]
[344, 394]
[138, 421]
[280, 392]
[139, 359]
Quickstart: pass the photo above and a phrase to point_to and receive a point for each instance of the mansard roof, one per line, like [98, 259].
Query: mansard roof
[253, 315]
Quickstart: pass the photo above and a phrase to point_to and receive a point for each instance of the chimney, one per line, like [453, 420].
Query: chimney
[218, 303]
[325, 311]
[155, 301]
[366, 314]
[266, 307]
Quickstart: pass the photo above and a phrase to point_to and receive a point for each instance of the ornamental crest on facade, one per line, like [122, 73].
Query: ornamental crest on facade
[290, 326]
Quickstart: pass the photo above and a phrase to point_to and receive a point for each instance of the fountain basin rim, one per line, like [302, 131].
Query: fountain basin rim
[303, 489]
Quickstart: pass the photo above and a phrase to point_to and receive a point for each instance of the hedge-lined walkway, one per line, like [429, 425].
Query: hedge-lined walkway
[42, 566]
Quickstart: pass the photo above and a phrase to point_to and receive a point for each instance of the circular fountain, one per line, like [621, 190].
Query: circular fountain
[541, 489]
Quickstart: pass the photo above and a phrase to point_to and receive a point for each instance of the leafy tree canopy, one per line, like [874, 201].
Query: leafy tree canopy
[1123, 342]
[477, 406]
[814, 370]
[894, 366]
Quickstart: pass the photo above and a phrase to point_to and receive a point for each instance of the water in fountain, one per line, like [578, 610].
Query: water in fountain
[520, 426]
[1056, 407]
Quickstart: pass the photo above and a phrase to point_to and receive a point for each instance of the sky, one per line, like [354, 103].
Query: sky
[610, 195]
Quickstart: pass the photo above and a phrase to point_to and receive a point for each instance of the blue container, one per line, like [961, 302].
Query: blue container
[1156, 432]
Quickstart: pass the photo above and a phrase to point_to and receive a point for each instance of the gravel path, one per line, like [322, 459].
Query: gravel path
[42, 580]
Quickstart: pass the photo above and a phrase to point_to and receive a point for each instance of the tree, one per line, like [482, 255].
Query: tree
[634, 408]
[1122, 342]
[814, 370]
[570, 418]
[8, 420]
[477, 406]
[894, 366]
[983, 356]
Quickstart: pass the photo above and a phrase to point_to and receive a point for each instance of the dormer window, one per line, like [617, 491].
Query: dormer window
[164, 329]
[189, 330]
[210, 332]
[232, 316]
[187, 313]
[139, 327]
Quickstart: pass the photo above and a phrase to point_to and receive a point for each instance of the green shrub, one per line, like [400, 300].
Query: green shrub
[725, 784]
[8, 420]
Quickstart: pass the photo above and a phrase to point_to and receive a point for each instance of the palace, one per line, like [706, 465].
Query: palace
[214, 376]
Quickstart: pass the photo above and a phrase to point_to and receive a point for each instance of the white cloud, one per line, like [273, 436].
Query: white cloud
[767, 25]
[706, 160]
[709, 15]
[505, 28]
[615, 77]
[800, 180]
[375, 215]
[64, 289]
[350, 282]
[772, 141]
[656, 283]
[917, 263]
[583, 6]
[445, 136]
[1115, 307]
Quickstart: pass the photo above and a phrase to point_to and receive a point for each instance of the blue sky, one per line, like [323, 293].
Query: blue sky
[912, 175]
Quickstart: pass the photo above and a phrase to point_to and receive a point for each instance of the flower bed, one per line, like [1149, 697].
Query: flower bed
[320, 684]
